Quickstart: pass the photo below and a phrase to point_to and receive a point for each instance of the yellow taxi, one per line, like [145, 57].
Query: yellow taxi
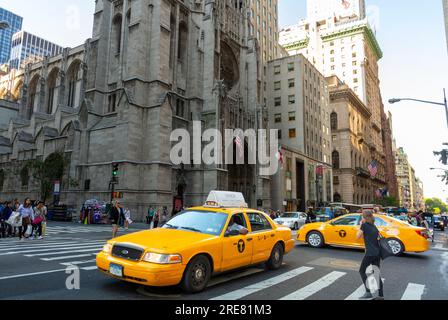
[222, 235]
[341, 232]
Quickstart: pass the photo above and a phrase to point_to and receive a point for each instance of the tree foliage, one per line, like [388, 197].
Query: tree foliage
[46, 172]
[388, 202]
[435, 203]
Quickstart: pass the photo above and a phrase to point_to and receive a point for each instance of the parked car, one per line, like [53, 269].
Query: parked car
[293, 220]
[439, 223]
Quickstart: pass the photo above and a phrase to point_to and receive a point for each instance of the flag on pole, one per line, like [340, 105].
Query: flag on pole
[240, 146]
[373, 168]
[280, 155]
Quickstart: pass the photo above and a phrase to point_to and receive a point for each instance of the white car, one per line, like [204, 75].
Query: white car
[293, 220]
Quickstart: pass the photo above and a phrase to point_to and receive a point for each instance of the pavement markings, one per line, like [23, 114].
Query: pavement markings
[413, 292]
[359, 292]
[315, 287]
[53, 248]
[89, 268]
[68, 257]
[30, 274]
[77, 262]
[238, 294]
[97, 248]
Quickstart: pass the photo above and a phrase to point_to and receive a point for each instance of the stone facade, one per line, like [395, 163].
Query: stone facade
[390, 169]
[353, 149]
[298, 106]
[149, 68]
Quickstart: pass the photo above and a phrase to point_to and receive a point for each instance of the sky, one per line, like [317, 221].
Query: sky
[415, 63]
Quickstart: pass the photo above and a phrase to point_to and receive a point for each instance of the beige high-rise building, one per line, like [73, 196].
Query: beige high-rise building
[299, 108]
[410, 188]
[445, 11]
[351, 142]
[264, 26]
[343, 45]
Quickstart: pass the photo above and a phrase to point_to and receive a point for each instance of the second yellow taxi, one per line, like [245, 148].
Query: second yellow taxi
[401, 236]
[222, 235]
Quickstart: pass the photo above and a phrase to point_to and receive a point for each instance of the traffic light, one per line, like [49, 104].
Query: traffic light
[115, 168]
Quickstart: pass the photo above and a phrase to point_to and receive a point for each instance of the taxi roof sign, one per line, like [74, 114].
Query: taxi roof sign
[226, 199]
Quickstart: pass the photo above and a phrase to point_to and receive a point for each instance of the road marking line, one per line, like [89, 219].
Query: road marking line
[438, 246]
[67, 257]
[359, 292]
[30, 274]
[28, 244]
[439, 249]
[77, 262]
[56, 249]
[97, 248]
[238, 294]
[52, 248]
[413, 292]
[315, 287]
[89, 268]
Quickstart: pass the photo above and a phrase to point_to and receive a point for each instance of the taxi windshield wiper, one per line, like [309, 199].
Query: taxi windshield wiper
[169, 226]
[191, 229]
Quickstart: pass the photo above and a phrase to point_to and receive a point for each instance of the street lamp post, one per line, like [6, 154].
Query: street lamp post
[392, 101]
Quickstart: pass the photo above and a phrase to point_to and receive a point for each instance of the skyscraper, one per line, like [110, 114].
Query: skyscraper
[338, 39]
[10, 23]
[26, 45]
[445, 10]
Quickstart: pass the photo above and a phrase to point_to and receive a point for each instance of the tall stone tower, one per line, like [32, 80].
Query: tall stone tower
[158, 65]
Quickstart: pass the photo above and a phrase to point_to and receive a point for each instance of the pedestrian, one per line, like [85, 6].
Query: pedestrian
[127, 217]
[150, 216]
[412, 219]
[6, 214]
[40, 217]
[310, 216]
[27, 214]
[156, 219]
[372, 257]
[115, 214]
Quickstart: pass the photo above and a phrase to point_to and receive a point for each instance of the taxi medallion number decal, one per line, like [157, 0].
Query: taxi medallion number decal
[241, 246]
[342, 234]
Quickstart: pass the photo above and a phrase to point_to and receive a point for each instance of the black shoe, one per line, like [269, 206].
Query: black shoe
[366, 296]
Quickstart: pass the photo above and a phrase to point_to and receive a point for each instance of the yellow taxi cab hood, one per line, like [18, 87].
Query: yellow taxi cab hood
[164, 240]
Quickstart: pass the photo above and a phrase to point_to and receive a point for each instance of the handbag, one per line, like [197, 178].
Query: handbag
[385, 249]
[15, 220]
[38, 220]
[28, 231]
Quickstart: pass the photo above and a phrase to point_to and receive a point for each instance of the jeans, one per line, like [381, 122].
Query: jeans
[39, 229]
[366, 262]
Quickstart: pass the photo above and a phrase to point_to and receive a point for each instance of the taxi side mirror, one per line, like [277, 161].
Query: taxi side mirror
[233, 233]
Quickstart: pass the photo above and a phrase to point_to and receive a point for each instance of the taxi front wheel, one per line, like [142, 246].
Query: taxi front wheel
[276, 259]
[315, 239]
[197, 275]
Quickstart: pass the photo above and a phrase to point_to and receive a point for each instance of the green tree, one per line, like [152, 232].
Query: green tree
[387, 202]
[46, 172]
[433, 203]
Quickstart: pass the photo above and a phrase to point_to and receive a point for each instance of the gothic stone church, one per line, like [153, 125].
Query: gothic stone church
[150, 67]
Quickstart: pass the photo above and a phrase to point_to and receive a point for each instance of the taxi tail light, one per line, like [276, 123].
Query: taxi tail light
[423, 233]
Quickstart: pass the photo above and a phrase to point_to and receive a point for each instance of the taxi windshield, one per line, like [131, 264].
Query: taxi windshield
[206, 222]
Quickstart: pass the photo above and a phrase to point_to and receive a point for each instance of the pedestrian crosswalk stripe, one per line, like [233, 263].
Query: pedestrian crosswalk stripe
[314, 287]
[95, 245]
[358, 293]
[51, 248]
[71, 263]
[413, 292]
[30, 274]
[19, 244]
[238, 294]
[89, 268]
[68, 257]
[97, 248]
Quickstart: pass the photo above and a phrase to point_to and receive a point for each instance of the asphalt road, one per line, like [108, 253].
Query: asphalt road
[36, 269]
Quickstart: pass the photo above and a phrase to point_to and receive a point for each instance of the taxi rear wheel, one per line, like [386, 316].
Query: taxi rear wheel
[396, 246]
[315, 239]
[197, 275]
[276, 259]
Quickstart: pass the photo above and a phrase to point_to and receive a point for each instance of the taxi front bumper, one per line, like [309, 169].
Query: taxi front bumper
[141, 272]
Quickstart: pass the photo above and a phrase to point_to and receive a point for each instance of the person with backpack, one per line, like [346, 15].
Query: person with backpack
[372, 257]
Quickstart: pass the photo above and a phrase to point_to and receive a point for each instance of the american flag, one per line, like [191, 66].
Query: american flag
[346, 4]
[239, 144]
[280, 155]
[373, 168]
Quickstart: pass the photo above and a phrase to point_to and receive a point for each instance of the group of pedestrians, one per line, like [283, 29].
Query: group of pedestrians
[26, 220]
[156, 217]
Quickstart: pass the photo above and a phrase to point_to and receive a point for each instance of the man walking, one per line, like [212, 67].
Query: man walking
[116, 214]
[150, 216]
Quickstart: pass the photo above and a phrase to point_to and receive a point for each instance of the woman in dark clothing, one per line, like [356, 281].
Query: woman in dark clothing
[116, 214]
[371, 235]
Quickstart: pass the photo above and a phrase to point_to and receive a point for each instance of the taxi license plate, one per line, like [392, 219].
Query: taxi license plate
[116, 270]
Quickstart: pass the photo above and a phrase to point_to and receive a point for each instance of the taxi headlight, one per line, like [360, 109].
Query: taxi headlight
[162, 258]
[107, 248]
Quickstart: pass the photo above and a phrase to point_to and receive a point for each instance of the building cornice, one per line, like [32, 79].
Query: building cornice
[348, 94]
[359, 29]
[298, 44]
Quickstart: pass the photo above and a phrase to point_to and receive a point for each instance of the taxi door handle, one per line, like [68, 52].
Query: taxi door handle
[249, 239]
[272, 235]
